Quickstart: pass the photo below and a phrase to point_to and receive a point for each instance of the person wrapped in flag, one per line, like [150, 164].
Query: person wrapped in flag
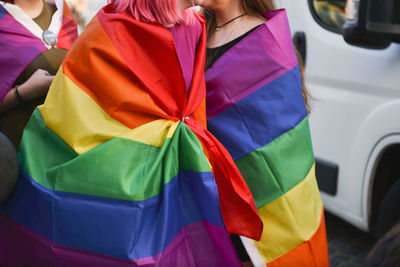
[255, 108]
[34, 39]
[117, 167]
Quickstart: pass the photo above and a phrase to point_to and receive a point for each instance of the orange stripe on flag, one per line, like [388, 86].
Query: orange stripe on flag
[120, 96]
[67, 12]
[313, 253]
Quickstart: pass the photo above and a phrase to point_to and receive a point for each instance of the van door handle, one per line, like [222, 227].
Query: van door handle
[300, 42]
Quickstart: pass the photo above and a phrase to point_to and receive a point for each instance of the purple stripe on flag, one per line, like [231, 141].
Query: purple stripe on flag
[18, 48]
[197, 244]
[251, 64]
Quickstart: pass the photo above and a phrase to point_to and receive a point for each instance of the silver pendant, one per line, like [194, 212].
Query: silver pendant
[50, 38]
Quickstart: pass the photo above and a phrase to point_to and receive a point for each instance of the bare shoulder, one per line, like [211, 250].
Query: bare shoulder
[256, 20]
[252, 21]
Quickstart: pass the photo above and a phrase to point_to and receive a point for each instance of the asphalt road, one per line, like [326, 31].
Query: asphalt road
[347, 245]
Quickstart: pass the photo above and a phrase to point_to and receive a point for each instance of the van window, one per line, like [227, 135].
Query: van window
[329, 13]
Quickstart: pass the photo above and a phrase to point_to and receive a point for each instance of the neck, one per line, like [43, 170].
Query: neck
[224, 14]
[31, 3]
[186, 4]
[31, 7]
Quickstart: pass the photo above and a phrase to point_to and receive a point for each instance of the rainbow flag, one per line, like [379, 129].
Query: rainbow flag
[21, 40]
[255, 108]
[117, 167]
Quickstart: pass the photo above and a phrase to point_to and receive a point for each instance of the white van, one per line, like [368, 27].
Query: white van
[355, 117]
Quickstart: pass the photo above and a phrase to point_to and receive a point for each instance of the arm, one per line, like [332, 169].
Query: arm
[37, 85]
[9, 101]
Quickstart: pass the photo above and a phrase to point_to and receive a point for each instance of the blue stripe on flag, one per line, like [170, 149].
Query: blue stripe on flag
[111, 226]
[262, 116]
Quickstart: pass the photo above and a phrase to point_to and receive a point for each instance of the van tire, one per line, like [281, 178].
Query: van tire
[389, 212]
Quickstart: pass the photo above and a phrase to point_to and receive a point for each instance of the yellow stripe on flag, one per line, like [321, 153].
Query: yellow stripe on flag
[291, 219]
[83, 124]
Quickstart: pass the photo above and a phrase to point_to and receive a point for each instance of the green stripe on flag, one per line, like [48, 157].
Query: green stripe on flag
[120, 168]
[273, 170]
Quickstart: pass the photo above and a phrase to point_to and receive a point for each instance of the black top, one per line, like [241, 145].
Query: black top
[213, 54]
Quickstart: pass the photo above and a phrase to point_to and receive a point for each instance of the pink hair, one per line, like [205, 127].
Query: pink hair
[164, 12]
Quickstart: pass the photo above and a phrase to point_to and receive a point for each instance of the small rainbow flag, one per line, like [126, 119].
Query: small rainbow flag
[21, 40]
[255, 108]
[117, 168]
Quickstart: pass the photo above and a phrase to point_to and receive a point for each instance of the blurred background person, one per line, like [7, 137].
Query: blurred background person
[34, 38]
[78, 7]
[84, 10]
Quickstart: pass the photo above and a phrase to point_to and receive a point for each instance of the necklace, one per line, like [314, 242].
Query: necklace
[210, 59]
[217, 28]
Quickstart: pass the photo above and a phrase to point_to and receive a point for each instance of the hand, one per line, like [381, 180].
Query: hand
[36, 86]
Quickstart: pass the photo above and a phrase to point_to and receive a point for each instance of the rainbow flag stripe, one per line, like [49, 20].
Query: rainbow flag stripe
[258, 114]
[117, 167]
[20, 46]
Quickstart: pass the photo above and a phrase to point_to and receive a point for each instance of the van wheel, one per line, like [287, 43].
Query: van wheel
[389, 212]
